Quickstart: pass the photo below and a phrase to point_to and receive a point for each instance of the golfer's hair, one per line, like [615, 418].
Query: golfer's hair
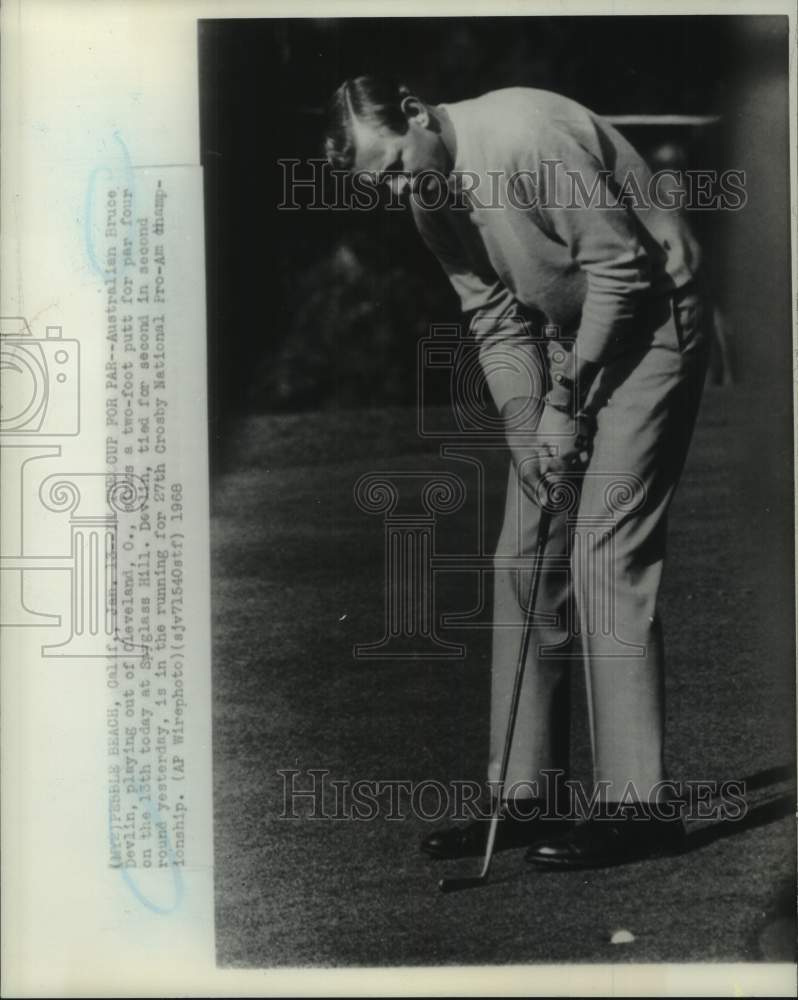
[372, 100]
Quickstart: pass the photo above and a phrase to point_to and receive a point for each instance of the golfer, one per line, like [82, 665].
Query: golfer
[584, 302]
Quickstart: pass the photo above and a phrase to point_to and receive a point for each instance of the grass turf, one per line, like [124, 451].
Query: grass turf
[297, 580]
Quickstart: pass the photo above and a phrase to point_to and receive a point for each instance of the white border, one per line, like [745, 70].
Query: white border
[44, 44]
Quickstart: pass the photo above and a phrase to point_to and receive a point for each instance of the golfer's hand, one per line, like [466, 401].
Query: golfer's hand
[564, 444]
[544, 445]
[527, 466]
[521, 416]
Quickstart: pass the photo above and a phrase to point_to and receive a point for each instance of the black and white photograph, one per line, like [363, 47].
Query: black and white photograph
[500, 383]
[397, 498]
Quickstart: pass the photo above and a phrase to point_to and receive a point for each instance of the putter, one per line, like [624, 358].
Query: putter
[455, 884]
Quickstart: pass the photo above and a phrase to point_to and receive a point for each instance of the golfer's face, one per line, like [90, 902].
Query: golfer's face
[398, 160]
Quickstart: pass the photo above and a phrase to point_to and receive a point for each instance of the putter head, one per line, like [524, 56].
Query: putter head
[456, 884]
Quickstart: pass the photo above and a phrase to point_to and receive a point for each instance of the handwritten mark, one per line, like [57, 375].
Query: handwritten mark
[177, 877]
[88, 208]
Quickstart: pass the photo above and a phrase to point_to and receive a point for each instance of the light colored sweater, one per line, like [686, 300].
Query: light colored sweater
[567, 250]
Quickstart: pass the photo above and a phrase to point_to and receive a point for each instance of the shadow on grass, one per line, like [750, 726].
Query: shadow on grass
[765, 810]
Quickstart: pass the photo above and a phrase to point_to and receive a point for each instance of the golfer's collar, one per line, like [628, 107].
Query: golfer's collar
[448, 133]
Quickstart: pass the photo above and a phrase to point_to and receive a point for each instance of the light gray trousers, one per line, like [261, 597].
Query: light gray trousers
[597, 603]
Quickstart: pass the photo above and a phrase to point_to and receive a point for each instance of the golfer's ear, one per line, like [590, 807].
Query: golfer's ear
[415, 110]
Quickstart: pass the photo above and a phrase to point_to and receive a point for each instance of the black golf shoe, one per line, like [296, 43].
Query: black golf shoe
[522, 827]
[612, 839]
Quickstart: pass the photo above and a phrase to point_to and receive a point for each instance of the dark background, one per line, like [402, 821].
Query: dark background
[314, 320]
[317, 309]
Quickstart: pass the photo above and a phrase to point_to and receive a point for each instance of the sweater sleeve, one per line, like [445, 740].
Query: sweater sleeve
[576, 202]
[511, 363]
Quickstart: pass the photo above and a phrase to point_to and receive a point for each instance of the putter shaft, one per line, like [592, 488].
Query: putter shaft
[453, 884]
